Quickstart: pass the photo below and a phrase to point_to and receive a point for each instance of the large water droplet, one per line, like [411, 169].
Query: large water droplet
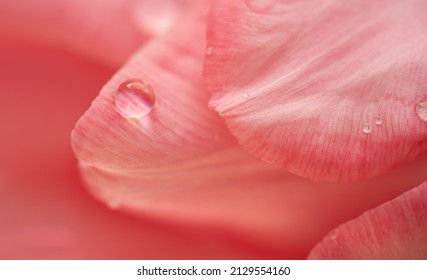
[366, 128]
[422, 110]
[134, 98]
[378, 121]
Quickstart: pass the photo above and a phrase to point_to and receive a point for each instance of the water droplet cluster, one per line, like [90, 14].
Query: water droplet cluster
[367, 127]
[420, 109]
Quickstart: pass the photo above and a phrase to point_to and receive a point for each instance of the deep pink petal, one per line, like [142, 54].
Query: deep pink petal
[395, 230]
[297, 81]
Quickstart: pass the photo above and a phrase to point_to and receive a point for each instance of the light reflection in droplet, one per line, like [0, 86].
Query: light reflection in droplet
[366, 128]
[134, 98]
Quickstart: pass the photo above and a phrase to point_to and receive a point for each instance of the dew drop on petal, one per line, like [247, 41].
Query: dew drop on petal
[378, 121]
[366, 128]
[134, 98]
[245, 95]
[209, 51]
[421, 110]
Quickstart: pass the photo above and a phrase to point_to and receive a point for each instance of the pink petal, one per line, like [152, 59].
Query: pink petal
[179, 127]
[179, 163]
[45, 212]
[108, 31]
[395, 230]
[296, 82]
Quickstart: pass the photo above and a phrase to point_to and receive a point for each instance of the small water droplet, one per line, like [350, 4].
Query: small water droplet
[114, 204]
[134, 98]
[378, 121]
[366, 128]
[245, 95]
[209, 51]
[422, 110]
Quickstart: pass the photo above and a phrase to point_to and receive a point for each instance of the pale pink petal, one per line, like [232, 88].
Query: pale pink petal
[395, 230]
[108, 31]
[179, 163]
[301, 84]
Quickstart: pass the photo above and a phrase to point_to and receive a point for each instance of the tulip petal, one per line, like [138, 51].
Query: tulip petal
[326, 90]
[179, 126]
[180, 164]
[108, 31]
[395, 230]
[45, 212]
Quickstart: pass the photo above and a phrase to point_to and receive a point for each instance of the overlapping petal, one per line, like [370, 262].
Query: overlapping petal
[326, 90]
[180, 125]
[395, 230]
[179, 163]
[45, 212]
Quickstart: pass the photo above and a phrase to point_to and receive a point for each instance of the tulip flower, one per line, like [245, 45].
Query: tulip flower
[229, 129]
